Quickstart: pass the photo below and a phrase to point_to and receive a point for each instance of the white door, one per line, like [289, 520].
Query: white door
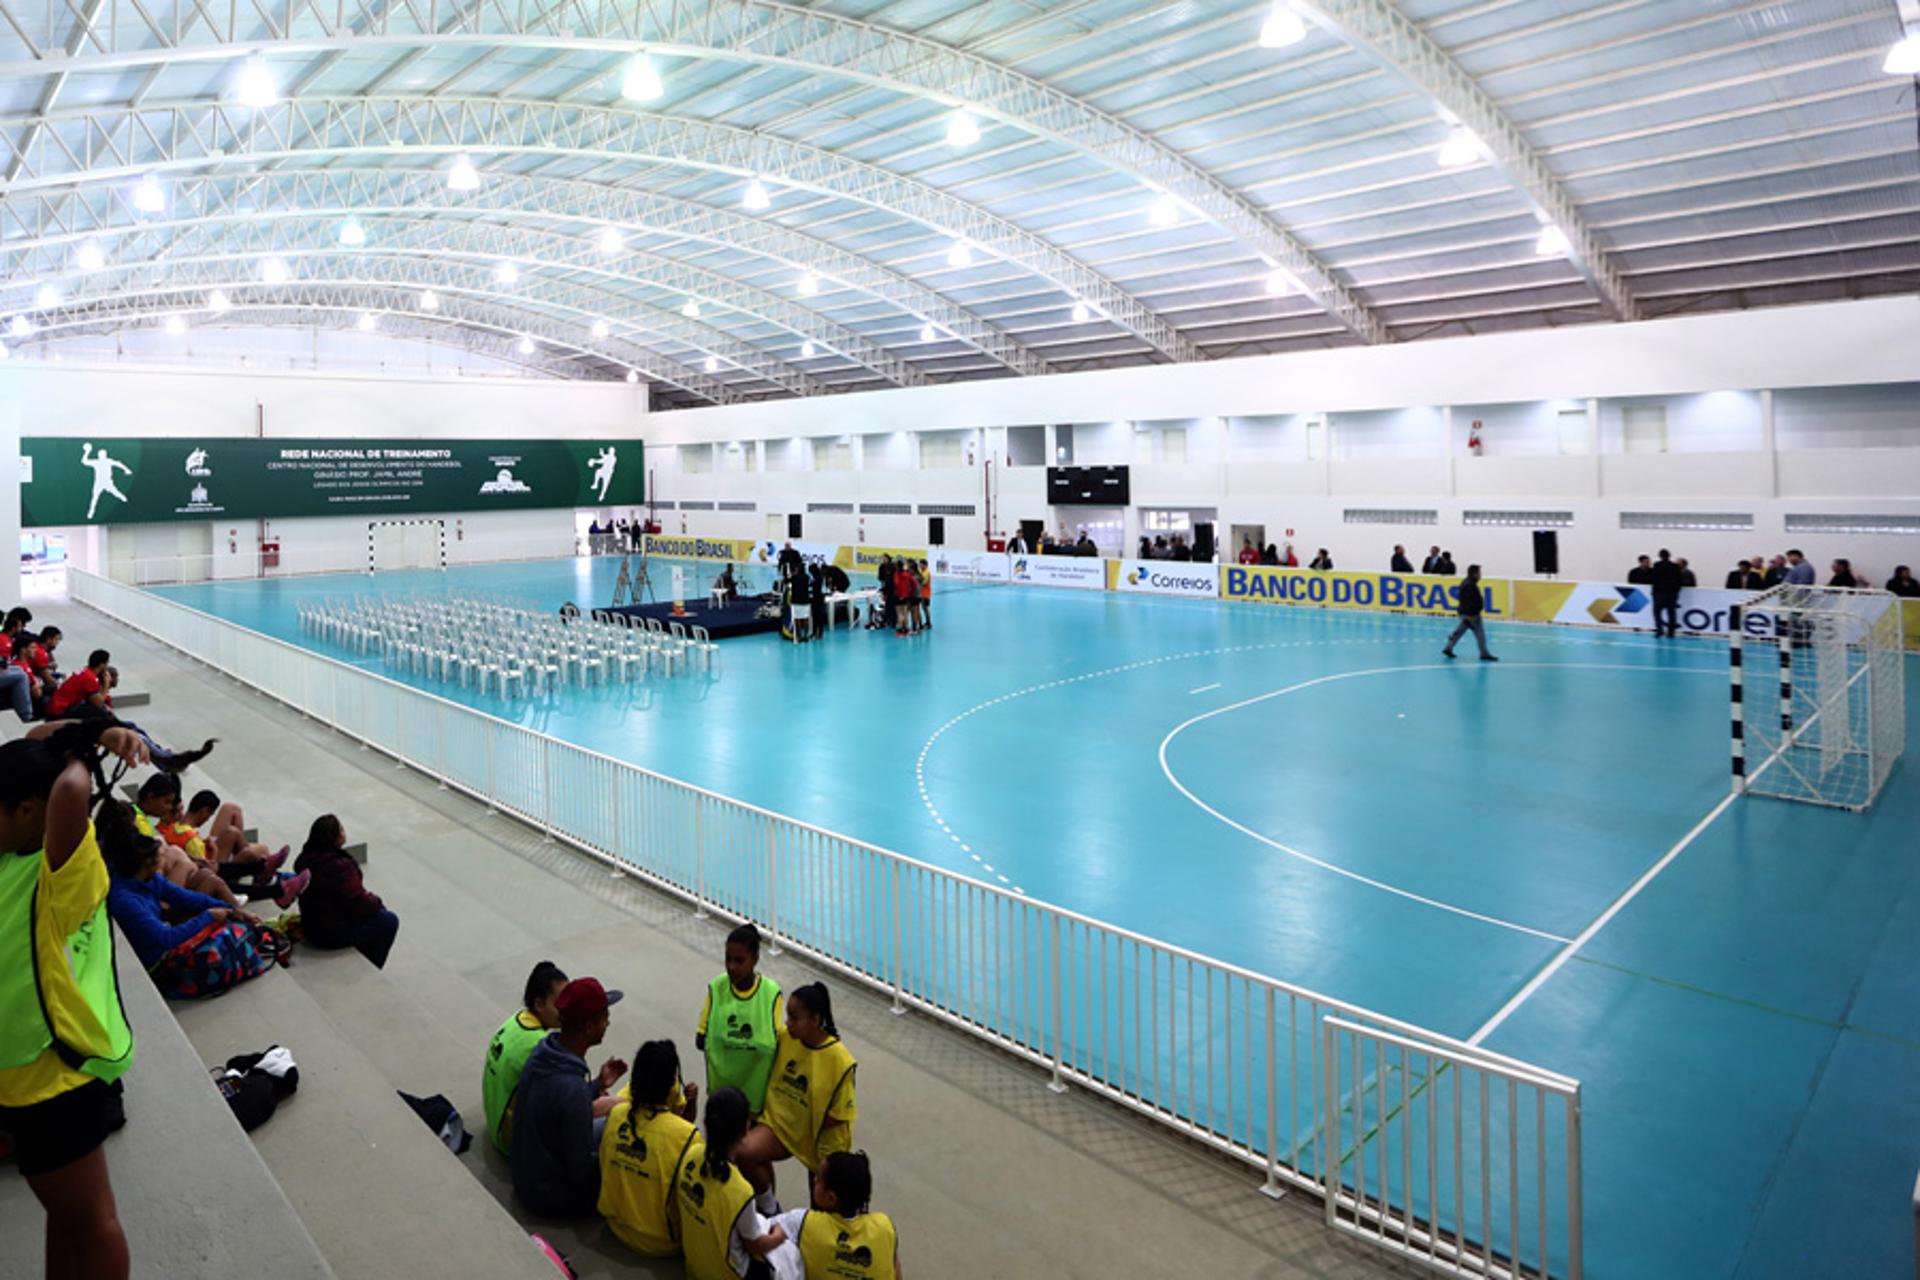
[1643, 428]
[1572, 425]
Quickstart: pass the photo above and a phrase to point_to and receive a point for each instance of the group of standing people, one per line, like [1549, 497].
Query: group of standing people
[779, 1086]
[906, 596]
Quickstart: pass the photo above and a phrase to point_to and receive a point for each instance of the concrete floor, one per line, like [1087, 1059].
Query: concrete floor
[985, 1171]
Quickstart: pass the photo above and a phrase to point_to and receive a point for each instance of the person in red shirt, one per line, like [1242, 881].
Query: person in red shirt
[906, 595]
[36, 655]
[16, 684]
[84, 692]
[1249, 554]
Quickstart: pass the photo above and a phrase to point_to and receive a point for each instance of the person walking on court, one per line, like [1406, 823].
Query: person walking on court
[1665, 580]
[1472, 603]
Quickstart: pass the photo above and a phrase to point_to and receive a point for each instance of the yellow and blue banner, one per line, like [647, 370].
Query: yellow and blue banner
[1391, 592]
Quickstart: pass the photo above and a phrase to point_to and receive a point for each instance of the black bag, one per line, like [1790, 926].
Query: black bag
[443, 1118]
[254, 1083]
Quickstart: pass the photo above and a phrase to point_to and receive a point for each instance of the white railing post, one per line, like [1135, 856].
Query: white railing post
[1575, 1229]
[1272, 1189]
[487, 731]
[1057, 1084]
[1330, 1133]
[893, 876]
[773, 888]
[546, 789]
[699, 858]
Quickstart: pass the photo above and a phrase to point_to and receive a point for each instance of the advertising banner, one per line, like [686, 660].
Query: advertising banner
[138, 480]
[680, 546]
[1165, 578]
[1630, 608]
[972, 566]
[859, 558]
[1393, 592]
[1083, 573]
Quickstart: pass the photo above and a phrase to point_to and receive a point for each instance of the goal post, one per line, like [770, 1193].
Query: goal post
[1818, 694]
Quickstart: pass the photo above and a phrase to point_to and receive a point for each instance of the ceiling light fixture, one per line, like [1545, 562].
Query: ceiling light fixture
[756, 197]
[711, 365]
[601, 329]
[525, 346]
[352, 234]
[633, 376]
[256, 86]
[929, 334]
[90, 256]
[464, 176]
[148, 197]
[641, 83]
[4, 353]
[1460, 148]
[367, 322]
[1082, 313]
[1552, 241]
[962, 129]
[611, 241]
[175, 325]
[1280, 283]
[20, 327]
[807, 350]
[1904, 58]
[46, 297]
[506, 273]
[1283, 27]
[218, 302]
[960, 254]
[808, 285]
[691, 310]
[429, 300]
[1164, 212]
[274, 271]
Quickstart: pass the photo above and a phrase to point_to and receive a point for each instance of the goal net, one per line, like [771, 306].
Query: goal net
[1819, 694]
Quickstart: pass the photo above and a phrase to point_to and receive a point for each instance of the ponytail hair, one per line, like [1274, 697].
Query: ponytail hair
[324, 836]
[814, 999]
[745, 936]
[726, 1125]
[850, 1178]
[123, 848]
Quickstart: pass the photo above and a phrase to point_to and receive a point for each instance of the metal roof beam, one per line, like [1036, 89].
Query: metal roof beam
[1379, 30]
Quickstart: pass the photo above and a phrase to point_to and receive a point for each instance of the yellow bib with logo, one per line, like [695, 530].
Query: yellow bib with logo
[708, 1210]
[836, 1248]
[640, 1150]
[808, 1087]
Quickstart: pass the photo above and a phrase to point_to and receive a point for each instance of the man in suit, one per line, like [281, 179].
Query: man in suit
[1400, 563]
[1664, 578]
[1432, 563]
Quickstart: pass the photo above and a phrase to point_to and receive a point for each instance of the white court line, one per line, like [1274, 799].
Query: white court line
[1322, 863]
[1205, 688]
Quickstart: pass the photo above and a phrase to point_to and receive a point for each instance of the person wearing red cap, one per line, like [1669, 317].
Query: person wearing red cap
[559, 1111]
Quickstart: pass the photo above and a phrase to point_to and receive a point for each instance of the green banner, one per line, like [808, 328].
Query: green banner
[70, 480]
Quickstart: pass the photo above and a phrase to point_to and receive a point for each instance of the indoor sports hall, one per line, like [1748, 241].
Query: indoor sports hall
[1271, 639]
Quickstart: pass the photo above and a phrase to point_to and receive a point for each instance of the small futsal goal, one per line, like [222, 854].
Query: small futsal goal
[1819, 694]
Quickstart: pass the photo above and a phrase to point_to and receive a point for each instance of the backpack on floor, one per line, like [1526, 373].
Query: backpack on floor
[443, 1118]
[254, 1083]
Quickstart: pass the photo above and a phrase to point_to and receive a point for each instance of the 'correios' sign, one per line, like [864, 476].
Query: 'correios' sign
[71, 480]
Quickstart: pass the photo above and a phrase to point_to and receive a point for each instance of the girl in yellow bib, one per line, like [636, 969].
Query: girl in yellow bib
[641, 1149]
[838, 1238]
[64, 1039]
[810, 1105]
[722, 1233]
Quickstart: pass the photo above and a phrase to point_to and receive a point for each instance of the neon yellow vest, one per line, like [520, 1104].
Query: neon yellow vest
[708, 1210]
[836, 1248]
[59, 994]
[640, 1151]
[507, 1056]
[805, 1084]
[742, 1034]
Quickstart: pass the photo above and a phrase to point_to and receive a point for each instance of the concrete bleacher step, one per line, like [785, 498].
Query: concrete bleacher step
[347, 1151]
[194, 1195]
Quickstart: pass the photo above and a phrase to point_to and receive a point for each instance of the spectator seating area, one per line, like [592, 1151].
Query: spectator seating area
[984, 1170]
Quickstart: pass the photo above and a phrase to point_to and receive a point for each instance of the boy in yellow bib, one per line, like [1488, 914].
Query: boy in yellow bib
[810, 1103]
[641, 1149]
[838, 1238]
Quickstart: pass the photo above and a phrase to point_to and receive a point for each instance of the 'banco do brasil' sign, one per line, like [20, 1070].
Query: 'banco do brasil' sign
[68, 480]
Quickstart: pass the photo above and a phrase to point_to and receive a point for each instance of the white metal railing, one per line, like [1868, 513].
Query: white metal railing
[1222, 1055]
[1460, 1159]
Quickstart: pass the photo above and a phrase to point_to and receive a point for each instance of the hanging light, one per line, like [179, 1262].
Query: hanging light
[807, 285]
[611, 241]
[20, 327]
[600, 329]
[711, 364]
[429, 300]
[1283, 27]
[218, 302]
[148, 197]
[1082, 313]
[960, 254]
[1460, 148]
[633, 376]
[90, 256]
[463, 176]
[506, 273]
[691, 310]
[4, 352]
[962, 130]
[1904, 58]
[929, 334]
[1280, 283]
[525, 346]
[352, 234]
[807, 350]
[641, 83]
[175, 325]
[1164, 212]
[46, 297]
[755, 197]
[256, 86]
[1552, 241]
[274, 271]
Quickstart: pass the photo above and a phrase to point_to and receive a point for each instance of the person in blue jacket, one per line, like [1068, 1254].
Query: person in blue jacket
[206, 947]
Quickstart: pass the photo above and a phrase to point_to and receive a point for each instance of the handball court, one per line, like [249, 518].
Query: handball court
[1534, 855]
